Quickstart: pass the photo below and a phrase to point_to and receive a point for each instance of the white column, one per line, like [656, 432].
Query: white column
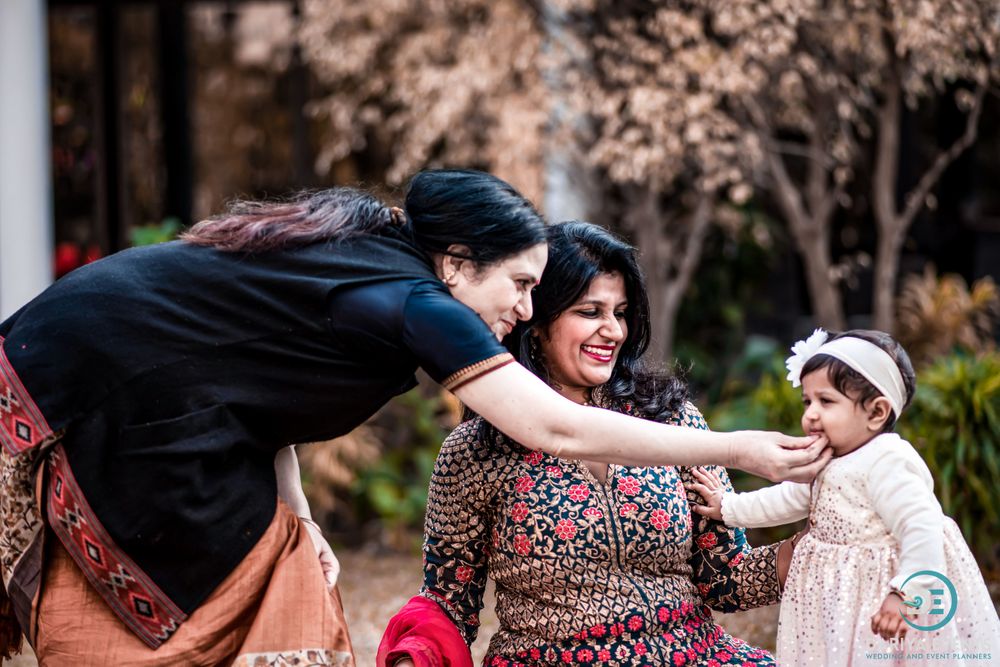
[25, 162]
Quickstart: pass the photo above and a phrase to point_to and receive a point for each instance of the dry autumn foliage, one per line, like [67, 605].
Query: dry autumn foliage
[938, 314]
[797, 96]
[679, 106]
[431, 83]
[330, 468]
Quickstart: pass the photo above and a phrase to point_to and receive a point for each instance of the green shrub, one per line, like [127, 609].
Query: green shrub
[166, 230]
[756, 395]
[954, 423]
[394, 490]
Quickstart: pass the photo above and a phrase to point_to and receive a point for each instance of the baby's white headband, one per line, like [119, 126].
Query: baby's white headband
[868, 359]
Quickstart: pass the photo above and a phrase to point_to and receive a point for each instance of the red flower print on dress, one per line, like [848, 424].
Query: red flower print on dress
[535, 654]
[707, 540]
[555, 471]
[627, 508]
[593, 513]
[703, 589]
[519, 512]
[598, 631]
[628, 485]
[464, 573]
[578, 493]
[640, 649]
[617, 629]
[567, 657]
[522, 545]
[679, 659]
[660, 519]
[604, 655]
[712, 662]
[635, 623]
[585, 656]
[723, 656]
[524, 484]
[735, 560]
[663, 614]
[533, 458]
[565, 529]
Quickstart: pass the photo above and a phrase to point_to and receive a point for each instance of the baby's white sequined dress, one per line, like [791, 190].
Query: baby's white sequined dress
[874, 521]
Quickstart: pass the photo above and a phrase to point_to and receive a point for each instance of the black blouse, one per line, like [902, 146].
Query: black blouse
[178, 372]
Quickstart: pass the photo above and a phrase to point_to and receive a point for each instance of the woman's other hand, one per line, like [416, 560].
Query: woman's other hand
[327, 560]
[888, 621]
[710, 487]
[780, 457]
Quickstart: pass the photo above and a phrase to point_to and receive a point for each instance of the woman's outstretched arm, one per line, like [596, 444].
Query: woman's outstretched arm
[530, 412]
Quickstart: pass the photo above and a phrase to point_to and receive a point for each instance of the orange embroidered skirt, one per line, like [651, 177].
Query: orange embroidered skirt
[274, 609]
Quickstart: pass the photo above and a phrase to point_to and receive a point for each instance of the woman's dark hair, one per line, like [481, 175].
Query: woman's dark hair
[443, 207]
[852, 384]
[578, 253]
[474, 209]
[309, 217]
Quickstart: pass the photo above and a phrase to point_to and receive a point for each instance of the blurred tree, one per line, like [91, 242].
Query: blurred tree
[658, 131]
[804, 92]
[241, 118]
[830, 99]
[678, 106]
[431, 83]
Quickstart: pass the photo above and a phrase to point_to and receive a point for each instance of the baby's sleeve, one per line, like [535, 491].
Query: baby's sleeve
[771, 506]
[905, 501]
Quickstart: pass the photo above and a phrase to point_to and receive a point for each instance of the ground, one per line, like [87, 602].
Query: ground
[374, 586]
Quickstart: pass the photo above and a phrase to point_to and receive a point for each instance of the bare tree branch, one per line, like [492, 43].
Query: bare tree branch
[915, 199]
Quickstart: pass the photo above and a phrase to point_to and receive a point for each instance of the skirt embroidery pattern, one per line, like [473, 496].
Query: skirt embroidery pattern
[140, 604]
[22, 426]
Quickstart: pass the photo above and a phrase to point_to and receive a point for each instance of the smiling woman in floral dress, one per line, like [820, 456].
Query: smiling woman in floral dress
[594, 564]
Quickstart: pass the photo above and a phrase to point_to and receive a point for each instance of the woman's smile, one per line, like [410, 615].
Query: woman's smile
[602, 353]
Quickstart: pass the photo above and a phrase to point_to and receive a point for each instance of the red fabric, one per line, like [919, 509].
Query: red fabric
[424, 633]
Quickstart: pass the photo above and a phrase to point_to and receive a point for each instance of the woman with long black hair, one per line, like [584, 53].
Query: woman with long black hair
[152, 397]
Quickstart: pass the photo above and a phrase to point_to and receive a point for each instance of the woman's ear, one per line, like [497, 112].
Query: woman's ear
[879, 411]
[451, 263]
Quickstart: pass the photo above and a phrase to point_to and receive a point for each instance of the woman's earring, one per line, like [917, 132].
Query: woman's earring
[534, 349]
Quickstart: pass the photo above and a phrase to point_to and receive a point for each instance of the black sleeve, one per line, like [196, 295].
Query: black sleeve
[448, 338]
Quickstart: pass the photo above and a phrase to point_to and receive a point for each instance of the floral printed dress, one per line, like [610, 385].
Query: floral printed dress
[614, 573]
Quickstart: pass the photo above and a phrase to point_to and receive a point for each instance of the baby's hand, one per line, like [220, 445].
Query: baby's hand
[711, 490]
[887, 621]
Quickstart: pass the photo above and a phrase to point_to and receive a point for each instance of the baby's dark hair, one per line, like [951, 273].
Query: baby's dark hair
[854, 385]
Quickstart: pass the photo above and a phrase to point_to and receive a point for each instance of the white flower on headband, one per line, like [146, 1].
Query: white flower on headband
[801, 352]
